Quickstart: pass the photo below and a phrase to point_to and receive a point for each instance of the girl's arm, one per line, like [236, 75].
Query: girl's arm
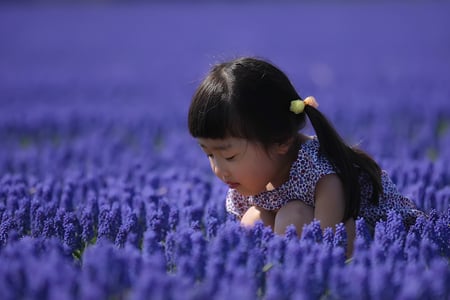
[329, 201]
[330, 207]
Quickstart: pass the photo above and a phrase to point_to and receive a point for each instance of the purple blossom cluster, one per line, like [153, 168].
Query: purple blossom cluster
[104, 195]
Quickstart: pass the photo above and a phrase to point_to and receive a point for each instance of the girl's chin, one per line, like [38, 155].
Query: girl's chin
[247, 193]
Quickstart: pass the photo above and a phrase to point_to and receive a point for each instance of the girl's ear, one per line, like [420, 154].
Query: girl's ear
[284, 147]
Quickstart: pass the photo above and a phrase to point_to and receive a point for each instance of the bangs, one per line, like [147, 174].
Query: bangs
[212, 113]
[209, 118]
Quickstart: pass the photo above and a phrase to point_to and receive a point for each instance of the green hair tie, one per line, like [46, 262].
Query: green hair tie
[297, 106]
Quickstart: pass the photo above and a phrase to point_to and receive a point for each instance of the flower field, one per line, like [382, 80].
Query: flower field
[104, 195]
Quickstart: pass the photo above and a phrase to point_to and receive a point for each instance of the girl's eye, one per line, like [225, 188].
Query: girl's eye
[230, 158]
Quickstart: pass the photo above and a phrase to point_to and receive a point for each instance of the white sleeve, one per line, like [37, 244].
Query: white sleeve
[236, 203]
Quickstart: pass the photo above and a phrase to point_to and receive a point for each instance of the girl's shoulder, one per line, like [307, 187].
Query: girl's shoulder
[310, 159]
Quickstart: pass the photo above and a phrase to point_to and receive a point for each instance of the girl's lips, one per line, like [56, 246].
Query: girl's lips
[233, 185]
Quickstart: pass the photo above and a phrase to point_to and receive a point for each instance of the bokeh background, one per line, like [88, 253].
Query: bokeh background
[94, 145]
[380, 71]
[363, 60]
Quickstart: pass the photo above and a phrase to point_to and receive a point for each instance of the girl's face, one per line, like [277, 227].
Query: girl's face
[246, 166]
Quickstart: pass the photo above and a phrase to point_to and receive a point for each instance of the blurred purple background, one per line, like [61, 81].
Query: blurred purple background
[104, 195]
[380, 71]
[142, 57]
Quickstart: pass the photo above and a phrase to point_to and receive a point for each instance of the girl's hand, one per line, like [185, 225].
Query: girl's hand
[255, 214]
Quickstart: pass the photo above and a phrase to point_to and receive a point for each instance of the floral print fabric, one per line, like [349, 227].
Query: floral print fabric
[304, 174]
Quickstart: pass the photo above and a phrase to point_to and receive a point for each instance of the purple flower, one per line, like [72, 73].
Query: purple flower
[37, 222]
[151, 243]
[87, 226]
[395, 228]
[5, 228]
[362, 230]
[104, 272]
[49, 228]
[72, 231]
[109, 222]
[127, 229]
[340, 236]
[312, 232]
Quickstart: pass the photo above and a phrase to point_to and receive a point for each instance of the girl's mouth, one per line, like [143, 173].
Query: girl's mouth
[232, 185]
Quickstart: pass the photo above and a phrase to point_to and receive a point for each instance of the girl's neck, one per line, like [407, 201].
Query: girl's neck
[297, 142]
[287, 160]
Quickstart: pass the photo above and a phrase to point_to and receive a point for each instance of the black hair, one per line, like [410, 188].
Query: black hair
[250, 98]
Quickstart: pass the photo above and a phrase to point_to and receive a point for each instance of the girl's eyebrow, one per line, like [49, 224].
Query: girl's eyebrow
[219, 147]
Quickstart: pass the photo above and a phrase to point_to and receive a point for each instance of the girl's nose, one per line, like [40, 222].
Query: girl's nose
[220, 171]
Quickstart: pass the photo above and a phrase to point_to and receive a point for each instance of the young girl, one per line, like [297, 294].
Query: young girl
[246, 116]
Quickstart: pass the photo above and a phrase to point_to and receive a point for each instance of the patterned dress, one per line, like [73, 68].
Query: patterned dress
[304, 174]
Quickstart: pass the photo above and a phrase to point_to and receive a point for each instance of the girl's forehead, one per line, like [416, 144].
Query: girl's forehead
[221, 144]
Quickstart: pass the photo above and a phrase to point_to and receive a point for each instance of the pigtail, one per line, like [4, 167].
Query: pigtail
[349, 162]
